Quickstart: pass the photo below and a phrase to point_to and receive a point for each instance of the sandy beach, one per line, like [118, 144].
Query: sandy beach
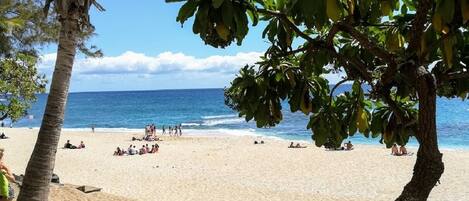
[234, 168]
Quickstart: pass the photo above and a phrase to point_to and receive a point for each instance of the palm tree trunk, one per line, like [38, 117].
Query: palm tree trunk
[429, 166]
[41, 164]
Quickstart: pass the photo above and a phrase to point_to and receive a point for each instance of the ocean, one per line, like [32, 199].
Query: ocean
[202, 111]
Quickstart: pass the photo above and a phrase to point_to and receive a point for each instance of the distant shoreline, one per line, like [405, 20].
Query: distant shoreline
[225, 133]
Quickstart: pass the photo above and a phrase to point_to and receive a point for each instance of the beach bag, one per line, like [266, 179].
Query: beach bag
[4, 190]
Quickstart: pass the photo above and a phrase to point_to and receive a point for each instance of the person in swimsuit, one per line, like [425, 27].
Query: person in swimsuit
[6, 177]
[394, 150]
[403, 150]
[82, 145]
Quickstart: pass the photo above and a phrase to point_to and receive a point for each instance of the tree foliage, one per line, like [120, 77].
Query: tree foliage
[21, 29]
[19, 83]
[370, 42]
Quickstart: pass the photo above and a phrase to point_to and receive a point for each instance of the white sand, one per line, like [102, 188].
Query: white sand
[233, 168]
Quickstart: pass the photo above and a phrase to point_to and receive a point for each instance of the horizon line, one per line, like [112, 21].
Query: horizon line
[143, 90]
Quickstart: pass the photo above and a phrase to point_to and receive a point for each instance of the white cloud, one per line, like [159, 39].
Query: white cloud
[138, 63]
[137, 71]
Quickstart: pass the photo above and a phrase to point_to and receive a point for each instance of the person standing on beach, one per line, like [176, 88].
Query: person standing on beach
[6, 177]
[164, 132]
[92, 128]
[180, 132]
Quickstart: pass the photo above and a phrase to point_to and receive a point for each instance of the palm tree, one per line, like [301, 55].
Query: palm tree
[74, 20]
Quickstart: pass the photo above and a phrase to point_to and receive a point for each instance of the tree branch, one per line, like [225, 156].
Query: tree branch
[452, 76]
[332, 32]
[355, 64]
[292, 52]
[320, 44]
[335, 87]
[363, 39]
[458, 75]
[282, 17]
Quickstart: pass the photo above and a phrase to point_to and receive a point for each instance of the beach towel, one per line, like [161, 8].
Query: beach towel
[4, 190]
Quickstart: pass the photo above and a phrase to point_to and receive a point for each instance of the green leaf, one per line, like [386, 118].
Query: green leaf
[334, 10]
[187, 10]
[222, 31]
[404, 10]
[278, 76]
[280, 4]
[227, 13]
[241, 25]
[254, 17]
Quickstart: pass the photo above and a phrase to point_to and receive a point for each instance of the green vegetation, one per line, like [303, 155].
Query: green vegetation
[407, 52]
[20, 30]
[19, 83]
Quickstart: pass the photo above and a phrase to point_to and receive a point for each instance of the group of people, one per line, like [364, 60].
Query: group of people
[402, 151]
[132, 150]
[69, 145]
[173, 131]
[150, 134]
[150, 129]
[348, 146]
[296, 146]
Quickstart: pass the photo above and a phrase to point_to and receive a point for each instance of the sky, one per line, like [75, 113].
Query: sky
[146, 49]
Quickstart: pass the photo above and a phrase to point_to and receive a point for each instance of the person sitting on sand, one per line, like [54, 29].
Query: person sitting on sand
[117, 152]
[156, 147]
[394, 150]
[128, 149]
[6, 178]
[82, 145]
[147, 149]
[143, 150]
[132, 150]
[403, 150]
[3, 136]
[348, 146]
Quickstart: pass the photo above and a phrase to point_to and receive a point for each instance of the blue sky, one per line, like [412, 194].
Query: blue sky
[146, 49]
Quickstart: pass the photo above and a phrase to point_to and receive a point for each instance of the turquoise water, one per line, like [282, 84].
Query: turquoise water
[203, 111]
